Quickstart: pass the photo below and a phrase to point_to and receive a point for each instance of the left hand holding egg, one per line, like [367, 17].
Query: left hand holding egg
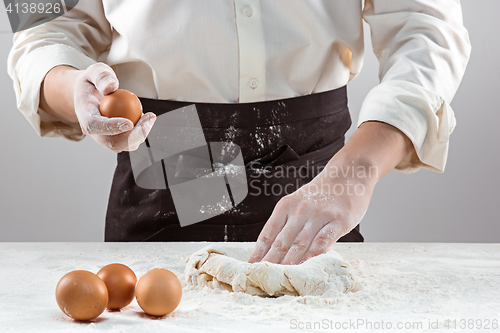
[116, 132]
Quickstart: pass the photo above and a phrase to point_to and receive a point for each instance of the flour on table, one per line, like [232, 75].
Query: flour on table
[225, 266]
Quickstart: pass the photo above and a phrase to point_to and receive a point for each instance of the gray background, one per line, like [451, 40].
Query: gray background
[57, 190]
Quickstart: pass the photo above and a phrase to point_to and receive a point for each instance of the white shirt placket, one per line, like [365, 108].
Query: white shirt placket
[252, 51]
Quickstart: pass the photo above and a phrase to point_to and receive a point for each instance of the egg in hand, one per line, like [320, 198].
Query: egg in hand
[121, 103]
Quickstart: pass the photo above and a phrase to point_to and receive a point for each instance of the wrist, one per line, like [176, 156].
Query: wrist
[376, 147]
[57, 92]
[354, 167]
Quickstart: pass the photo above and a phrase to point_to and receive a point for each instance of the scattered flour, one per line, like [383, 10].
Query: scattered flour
[396, 282]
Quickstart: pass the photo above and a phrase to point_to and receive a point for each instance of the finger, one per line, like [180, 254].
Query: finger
[141, 131]
[325, 238]
[135, 137]
[294, 224]
[133, 148]
[271, 229]
[284, 239]
[103, 78]
[96, 124]
[305, 238]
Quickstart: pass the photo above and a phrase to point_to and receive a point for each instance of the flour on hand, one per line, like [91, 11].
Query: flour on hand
[225, 266]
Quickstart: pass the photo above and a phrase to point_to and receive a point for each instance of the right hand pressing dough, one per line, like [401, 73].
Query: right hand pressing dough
[225, 266]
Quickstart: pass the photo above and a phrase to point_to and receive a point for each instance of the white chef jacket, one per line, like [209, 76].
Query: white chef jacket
[239, 51]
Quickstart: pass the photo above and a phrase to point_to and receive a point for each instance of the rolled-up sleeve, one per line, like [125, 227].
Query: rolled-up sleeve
[75, 39]
[423, 49]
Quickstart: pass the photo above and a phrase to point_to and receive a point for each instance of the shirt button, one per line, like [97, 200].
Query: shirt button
[248, 11]
[254, 83]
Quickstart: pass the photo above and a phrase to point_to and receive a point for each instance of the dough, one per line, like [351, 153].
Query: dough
[225, 266]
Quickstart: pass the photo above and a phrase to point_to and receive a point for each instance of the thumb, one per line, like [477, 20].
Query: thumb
[103, 78]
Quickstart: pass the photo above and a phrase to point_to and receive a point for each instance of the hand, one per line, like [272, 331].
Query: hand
[307, 222]
[116, 134]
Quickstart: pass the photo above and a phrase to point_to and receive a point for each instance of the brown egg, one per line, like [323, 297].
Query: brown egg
[120, 281]
[81, 295]
[158, 292]
[121, 103]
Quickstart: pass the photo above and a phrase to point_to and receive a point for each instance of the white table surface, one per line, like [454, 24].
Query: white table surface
[401, 283]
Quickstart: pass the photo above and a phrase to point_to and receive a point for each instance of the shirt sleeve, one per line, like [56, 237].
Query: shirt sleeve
[423, 49]
[76, 39]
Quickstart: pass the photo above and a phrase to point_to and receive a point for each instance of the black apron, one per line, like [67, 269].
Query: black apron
[291, 139]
